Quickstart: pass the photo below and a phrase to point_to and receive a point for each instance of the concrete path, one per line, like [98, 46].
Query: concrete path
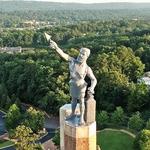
[122, 130]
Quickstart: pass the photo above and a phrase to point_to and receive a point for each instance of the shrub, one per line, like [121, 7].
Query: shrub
[136, 122]
[148, 124]
[13, 117]
[118, 117]
[142, 141]
[102, 118]
[34, 119]
[56, 138]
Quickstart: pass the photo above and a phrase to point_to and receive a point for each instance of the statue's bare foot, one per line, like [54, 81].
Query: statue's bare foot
[70, 116]
[81, 122]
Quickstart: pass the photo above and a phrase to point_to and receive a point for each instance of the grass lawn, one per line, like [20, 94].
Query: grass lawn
[4, 143]
[114, 140]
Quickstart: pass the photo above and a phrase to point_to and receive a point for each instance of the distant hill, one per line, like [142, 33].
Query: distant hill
[20, 5]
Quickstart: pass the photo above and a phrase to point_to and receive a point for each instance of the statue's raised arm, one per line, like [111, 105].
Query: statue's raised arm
[54, 46]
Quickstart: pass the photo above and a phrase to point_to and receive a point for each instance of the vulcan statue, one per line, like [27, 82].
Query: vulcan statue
[78, 71]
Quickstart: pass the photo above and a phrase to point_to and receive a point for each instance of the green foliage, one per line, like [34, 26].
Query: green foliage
[4, 98]
[39, 77]
[12, 133]
[142, 141]
[25, 138]
[36, 78]
[131, 65]
[102, 118]
[118, 116]
[13, 117]
[34, 119]
[56, 138]
[111, 90]
[148, 124]
[138, 97]
[114, 72]
[136, 122]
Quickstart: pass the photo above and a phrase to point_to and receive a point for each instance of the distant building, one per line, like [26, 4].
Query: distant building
[28, 23]
[145, 78]
[34, 23]
[11, 50]
[135, 19]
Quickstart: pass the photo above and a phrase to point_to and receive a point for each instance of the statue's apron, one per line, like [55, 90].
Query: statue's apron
[77, 83]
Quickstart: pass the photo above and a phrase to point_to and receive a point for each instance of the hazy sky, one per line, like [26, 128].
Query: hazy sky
[97, 1]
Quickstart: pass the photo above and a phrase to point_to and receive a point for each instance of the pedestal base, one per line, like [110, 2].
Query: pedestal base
[64, 112]
[80, 137]
[74, 136]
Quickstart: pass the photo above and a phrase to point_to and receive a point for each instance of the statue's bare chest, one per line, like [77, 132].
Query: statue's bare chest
[76, 68]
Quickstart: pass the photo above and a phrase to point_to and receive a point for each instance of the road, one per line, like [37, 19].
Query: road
[51, 133]
[2, 125]
[51, 124]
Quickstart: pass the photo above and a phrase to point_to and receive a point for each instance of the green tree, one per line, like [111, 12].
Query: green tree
[138, 97]
[145, 57]
[13, 117]
[3, 96]
[148, 124]
[142, 141]
[130, 64]
[102, 118]
[56, 138]
[26, 139]
[34, 119]
[136, 122]
[118, 116]
[112, 89]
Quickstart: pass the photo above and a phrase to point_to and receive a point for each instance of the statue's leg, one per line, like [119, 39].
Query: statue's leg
[73, 108]
[82, 110]
[74, 95]
[73, 105]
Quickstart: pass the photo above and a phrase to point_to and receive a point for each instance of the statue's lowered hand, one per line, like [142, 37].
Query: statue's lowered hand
[90, 90]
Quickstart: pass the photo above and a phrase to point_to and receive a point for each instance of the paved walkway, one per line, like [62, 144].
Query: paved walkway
[9, 148]
[52, 122]
[122, 130]
[49, 145]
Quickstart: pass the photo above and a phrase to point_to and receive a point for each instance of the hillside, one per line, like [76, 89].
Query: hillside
[37, 5]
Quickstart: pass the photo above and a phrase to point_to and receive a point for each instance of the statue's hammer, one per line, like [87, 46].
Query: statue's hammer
[48, 37]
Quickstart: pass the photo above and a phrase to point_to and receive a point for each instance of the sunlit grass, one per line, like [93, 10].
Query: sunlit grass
[114, 140]
[4, 143]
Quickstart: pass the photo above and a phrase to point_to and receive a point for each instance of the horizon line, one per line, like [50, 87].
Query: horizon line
[78, 2]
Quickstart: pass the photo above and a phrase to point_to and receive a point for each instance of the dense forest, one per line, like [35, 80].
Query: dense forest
[118, 35]
[14, 13]
[120, 56]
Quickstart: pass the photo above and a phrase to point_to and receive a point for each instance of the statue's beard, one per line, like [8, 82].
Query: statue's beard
[79, 59]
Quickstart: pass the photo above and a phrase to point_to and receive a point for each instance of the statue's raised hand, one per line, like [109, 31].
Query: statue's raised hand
[53, 44]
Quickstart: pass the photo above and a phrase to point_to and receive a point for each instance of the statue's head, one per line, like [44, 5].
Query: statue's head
[83, 55]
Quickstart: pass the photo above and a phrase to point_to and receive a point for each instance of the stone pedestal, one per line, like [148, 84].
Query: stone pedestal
[90, 107]
[80, 137]
[65, 111]
[74, 136]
